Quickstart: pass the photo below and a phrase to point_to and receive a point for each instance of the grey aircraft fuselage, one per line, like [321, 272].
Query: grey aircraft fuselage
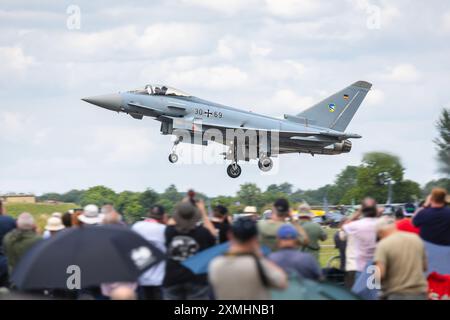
[317, 130]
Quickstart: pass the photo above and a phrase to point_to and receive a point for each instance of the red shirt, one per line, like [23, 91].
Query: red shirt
[406, 224]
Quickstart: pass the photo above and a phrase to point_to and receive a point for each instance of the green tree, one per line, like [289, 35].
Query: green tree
[172, 194]
[148, 198]
[98, 195]
[72, 196]
[346, 180]
[169, 198]
[443, 142]
[441, 183]
[369, 180]
[406, 191]
[250, 195]
[128, 203]
[50, 196]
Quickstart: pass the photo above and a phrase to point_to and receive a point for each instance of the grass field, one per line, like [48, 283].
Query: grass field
[40, 211]
[327, 249]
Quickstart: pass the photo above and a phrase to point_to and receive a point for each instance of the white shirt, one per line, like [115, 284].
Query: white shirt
[153, 232]
[364, 240]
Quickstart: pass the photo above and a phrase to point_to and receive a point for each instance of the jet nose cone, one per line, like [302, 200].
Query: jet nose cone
[108, 101]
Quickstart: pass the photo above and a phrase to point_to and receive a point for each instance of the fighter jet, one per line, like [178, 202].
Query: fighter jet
[319, 129]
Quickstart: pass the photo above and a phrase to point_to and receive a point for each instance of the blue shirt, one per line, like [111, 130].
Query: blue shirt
[434, 224]
[293, 260]
[6, 225]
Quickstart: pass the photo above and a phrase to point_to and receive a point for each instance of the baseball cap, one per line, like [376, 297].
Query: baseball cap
[244, 229]
[157, 211]
[282, 205]
[287, 231]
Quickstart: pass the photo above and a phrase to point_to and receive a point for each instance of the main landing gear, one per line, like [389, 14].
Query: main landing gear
[265, 163]
[173, 157]
[234, 170]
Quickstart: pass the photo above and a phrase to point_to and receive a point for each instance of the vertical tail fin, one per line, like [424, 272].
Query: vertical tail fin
[336, 111]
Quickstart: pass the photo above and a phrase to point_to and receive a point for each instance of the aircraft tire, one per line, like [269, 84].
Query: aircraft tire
[265, 164]
[234, 170]
[173, 157]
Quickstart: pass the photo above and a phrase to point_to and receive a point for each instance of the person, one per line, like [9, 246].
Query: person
[90, 216]
[67, 219]
[113, 217]
[54, 225]
[290, 259]
[401, 261]
[340, 243]
[399, 214]
[405, 223]
[434, 219]
[350, 257]
[19, 240]
[7, 224]
[267, 229]
[363, 233]
[221, 223]
[314, 230]
[47, 234]
[183, 240]
[153, 230]
[242, 273]
[250, 212]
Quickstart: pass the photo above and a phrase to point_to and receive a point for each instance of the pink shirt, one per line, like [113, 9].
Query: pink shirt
[364, 239]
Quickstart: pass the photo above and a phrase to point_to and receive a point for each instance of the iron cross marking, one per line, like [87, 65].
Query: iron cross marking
[208, 114]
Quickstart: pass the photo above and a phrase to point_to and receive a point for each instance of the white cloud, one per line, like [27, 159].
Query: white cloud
[224, 6]
[14, 59]
[120, 145]
[446, 22]
[217, 77]
[375, 97]
[259, 51]
[403, 73]
[291, 8]
[288, 101]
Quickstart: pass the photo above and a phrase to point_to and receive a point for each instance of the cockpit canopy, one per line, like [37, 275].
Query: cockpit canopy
[160, 90]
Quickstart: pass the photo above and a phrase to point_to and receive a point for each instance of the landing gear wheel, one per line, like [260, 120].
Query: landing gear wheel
[173, 157]
[234, 170]
[265, 164]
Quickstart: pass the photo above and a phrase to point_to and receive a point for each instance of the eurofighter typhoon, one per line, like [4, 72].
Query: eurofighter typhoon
[319, 129]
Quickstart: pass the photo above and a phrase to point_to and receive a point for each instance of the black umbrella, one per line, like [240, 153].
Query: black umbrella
[97, 254]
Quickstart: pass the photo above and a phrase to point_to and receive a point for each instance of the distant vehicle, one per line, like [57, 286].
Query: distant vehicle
[317, 130]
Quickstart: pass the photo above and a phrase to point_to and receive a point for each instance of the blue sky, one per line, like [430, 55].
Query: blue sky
[272, 57]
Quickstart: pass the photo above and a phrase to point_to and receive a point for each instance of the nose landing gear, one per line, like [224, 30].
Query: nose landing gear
[173, 157]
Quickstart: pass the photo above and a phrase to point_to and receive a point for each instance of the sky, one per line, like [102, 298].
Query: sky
[273, 57]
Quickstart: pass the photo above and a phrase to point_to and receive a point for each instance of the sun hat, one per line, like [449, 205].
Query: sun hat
[54, 224]
[90, 215]
[304, 210]
[250, 209]
[57, 214]
[186, 216]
